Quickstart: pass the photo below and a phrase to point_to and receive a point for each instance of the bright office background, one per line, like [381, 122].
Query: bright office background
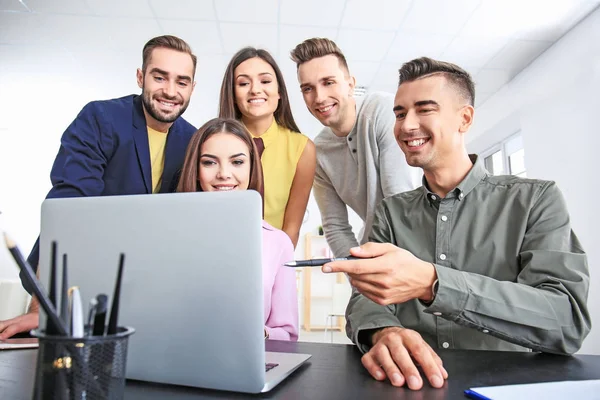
[536, 64]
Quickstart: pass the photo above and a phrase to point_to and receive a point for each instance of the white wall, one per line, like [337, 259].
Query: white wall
[555, 104]
[8, 268]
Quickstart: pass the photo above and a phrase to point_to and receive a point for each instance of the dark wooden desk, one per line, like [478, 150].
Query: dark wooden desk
[335, 372]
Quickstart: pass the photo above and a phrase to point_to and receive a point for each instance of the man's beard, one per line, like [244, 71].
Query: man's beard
[158, 114]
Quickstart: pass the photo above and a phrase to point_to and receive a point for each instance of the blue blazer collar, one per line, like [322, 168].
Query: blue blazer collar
[140, 137]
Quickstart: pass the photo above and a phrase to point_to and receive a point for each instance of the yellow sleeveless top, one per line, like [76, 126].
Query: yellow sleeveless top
[283, 149]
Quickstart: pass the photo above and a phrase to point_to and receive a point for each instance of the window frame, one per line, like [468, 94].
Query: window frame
[504, 146]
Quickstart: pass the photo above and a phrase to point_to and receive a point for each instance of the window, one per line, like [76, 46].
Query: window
[495, 163]
[516, 163]
[507, 157]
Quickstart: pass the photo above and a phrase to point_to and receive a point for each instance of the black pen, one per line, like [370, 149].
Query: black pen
[317, 262]
[60, 384]
[100, 317]
[114, 311]
[64, 294]
[33, 282]
[52, 289]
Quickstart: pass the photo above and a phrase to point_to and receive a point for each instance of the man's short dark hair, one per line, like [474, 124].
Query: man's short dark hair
[424, 67]
[166, 42]
[316, 48]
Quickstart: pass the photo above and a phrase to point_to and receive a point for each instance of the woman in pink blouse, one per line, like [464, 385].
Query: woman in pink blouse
[222, 156]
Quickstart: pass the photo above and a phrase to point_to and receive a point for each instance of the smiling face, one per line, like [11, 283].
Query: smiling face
[256, 89]
[327, 89]
[167, 85]
[431, 119]
[224, 163]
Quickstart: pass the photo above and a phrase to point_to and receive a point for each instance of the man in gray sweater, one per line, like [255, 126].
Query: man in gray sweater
[358, 160]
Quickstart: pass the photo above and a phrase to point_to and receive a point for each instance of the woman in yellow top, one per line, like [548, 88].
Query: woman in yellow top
[254, 92]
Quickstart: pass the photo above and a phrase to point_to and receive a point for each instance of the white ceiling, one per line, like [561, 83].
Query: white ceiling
[493, 39]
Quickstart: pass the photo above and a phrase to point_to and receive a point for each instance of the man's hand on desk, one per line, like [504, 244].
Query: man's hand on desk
[387, 274]
[392, 356]
[22, 323]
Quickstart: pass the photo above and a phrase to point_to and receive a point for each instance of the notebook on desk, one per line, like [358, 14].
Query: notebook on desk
[18, 344]
[192, 283]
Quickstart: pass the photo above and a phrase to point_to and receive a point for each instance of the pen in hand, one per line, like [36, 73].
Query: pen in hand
[318, 262]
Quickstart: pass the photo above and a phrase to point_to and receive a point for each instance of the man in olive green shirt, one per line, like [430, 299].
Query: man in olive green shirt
[467, 261]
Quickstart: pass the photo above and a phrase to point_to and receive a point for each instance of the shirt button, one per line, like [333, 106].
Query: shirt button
[460, 196]
[442, 256]
[349, 139]
[485, 331]
[437, 313]
[445, 345]
[354, 150]
[444, 218]
[433, 197]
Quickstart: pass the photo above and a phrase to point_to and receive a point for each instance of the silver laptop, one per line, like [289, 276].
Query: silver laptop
[192, 282]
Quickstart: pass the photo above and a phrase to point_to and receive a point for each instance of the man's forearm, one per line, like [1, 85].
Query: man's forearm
[547, 320]
[364, 317]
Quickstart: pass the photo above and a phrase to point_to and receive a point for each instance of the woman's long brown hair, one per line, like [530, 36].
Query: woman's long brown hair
[227, 105]
[190, 173]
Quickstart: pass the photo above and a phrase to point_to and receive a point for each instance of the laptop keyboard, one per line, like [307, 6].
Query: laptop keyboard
[270, 366]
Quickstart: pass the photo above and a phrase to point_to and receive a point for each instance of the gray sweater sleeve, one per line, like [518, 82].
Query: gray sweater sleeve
[334, 214]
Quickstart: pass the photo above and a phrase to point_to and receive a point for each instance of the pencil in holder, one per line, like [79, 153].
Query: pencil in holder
[90, 367]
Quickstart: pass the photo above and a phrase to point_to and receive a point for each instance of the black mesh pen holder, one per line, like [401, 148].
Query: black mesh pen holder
[87, 368]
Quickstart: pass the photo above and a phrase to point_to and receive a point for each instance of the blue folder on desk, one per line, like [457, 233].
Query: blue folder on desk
[589, 389]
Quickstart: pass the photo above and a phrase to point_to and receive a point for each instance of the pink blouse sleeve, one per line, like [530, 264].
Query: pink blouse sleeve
[282, 323]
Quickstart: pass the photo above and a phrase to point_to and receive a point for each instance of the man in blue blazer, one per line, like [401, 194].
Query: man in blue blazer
[130, 145]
